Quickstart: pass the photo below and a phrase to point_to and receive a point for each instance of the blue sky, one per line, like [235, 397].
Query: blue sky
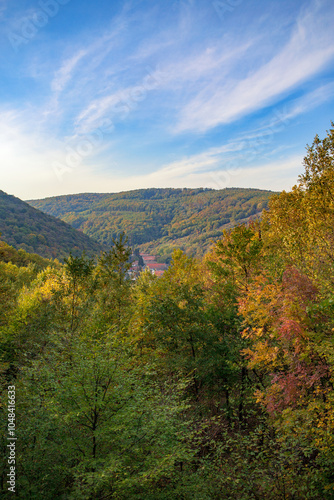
[110, 96]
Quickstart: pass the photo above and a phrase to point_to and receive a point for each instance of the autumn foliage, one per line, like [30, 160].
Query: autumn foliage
[214, 381]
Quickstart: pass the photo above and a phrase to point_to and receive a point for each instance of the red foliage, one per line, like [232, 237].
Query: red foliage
[298, 286]
[294, 384]
[297, 370]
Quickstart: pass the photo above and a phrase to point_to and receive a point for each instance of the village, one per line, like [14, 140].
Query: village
[142, 261]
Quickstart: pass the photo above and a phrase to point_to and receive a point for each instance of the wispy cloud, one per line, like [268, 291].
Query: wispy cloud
[165, 80]
[25, 155]
[63, 75]
[276, 175]
[204, 88]
[310, 47]
[309, 101]
[166, 77]
[281, 116]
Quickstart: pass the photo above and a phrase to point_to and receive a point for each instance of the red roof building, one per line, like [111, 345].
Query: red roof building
[148, 258]
[156, 266]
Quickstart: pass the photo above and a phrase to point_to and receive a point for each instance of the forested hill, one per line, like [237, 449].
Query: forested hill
[157, 220]
[24, 227]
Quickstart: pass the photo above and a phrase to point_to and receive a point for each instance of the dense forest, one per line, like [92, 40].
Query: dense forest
[26, 228]
[158, 220]
[212, 382]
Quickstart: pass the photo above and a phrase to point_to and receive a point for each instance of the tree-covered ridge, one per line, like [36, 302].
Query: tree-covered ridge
[158, 220]
[29, 229]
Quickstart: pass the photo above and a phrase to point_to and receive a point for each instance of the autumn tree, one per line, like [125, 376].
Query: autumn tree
[288, 318]
[302, 220]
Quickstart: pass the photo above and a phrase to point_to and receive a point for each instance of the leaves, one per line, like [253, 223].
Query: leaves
[212, 381]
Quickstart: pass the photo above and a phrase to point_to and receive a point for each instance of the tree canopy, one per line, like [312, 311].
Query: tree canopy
[213, 381]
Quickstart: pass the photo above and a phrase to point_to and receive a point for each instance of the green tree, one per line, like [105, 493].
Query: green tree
[115, 430]
[114, 283]
[78, 270]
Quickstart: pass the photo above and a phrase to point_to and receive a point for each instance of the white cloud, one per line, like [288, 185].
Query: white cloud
[64, 74]
[91, 117]
[28, 163]
[204, 85]
[281, 117]
[106, 76]
[168, 76]
[308, 102]
[310, 47]
[274, 176]
[208, 170]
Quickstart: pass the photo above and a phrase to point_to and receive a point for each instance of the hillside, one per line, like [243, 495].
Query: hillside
[157, 220]
[27, 228]
[21, 258]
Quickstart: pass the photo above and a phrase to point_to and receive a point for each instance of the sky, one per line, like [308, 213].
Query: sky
[111, 96]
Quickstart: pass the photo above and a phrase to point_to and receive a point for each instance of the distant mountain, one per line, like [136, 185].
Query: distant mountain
[158, 220]
[25, 227]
